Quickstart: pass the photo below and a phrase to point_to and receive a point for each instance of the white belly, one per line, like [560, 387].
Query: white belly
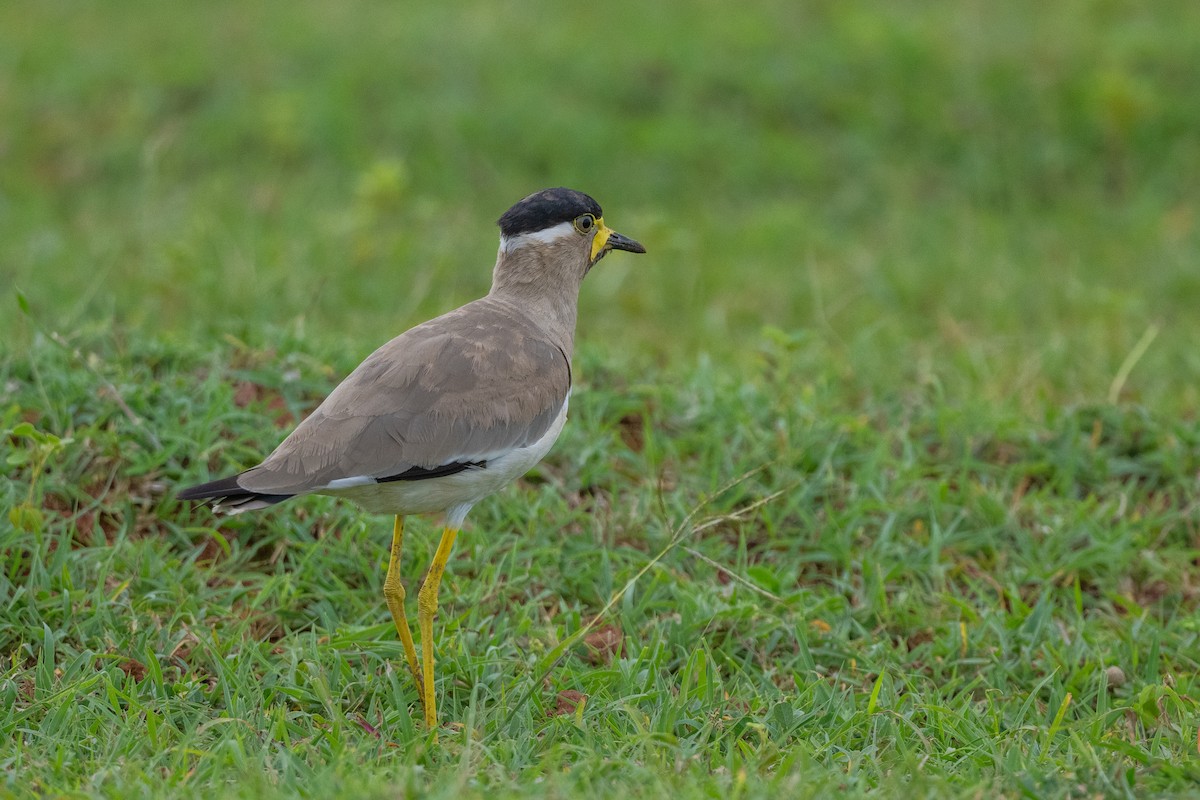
[454, 494]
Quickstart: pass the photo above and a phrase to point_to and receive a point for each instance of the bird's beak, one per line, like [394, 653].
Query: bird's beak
[608, 239]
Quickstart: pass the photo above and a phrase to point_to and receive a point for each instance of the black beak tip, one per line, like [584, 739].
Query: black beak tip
[619, 242]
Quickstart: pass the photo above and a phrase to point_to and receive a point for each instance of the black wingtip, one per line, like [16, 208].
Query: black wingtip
[218, 488]
[227, 493]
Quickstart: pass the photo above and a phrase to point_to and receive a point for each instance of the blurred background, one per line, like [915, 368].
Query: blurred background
[989, 199]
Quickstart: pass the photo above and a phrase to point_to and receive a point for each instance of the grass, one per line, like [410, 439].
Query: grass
[887, 451]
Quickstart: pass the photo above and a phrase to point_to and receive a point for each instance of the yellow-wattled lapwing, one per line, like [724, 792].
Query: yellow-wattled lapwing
[451, 410]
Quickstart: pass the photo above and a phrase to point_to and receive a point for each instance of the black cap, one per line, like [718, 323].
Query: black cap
[545, 209]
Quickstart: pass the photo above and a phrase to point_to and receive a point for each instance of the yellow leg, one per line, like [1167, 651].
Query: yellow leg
[427, 603]
[393, 592]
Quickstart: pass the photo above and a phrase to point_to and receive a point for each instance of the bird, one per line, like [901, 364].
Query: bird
[450, 411]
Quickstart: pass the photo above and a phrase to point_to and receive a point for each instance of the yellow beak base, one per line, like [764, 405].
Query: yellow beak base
[603, 232]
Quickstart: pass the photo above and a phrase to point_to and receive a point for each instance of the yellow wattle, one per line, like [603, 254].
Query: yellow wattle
[602, 234]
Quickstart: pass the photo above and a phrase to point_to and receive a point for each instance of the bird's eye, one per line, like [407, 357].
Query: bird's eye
[584, 223]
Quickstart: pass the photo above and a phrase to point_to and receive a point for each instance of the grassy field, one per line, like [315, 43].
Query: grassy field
[881, 477]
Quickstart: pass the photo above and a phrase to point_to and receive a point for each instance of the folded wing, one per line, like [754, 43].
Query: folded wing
[458, 390]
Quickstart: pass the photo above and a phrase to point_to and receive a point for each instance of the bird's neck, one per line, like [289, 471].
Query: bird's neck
[544, 285]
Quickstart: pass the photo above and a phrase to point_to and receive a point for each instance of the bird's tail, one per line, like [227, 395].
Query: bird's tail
[229, 497]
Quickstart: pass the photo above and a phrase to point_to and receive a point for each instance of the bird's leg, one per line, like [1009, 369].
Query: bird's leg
[393, 592]
[427, 603]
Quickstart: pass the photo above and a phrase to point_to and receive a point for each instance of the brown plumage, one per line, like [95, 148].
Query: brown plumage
[423, 400]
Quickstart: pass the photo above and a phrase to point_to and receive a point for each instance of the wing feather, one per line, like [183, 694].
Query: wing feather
[467, 386]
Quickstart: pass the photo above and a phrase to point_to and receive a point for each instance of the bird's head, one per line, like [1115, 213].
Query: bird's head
[563, 224]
